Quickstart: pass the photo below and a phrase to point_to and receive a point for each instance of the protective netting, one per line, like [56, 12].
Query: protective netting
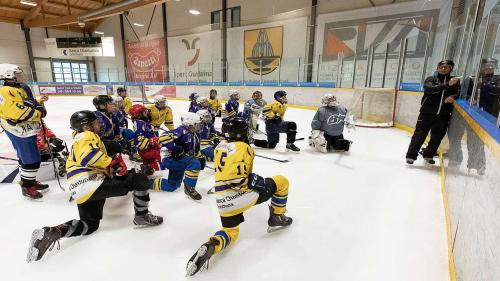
[137, 93]
[373, 107]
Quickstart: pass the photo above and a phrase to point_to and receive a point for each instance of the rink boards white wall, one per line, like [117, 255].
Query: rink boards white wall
[406, 112]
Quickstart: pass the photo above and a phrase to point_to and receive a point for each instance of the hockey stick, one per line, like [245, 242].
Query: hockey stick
[7, 158]
[44, 128]
[273, 159]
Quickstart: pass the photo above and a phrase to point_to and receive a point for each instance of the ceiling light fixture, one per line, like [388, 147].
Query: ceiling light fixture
[99, 32]
[138, 24]
[194, 12]
[29, 3]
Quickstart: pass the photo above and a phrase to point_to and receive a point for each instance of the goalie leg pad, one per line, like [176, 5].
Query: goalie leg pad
[319, 143]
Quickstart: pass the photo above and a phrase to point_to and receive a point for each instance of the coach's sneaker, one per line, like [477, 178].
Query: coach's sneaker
[147, 219]
[42, 240]
[277, 221]
[200, 259]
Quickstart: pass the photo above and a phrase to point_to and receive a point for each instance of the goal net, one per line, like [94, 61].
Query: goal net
[373, 107]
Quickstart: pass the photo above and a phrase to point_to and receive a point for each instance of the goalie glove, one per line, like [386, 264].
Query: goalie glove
[350, 123]
[318, 141]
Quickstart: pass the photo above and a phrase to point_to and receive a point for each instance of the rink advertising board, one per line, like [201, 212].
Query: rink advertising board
[95, 89]
[61, 89]
[153, 90]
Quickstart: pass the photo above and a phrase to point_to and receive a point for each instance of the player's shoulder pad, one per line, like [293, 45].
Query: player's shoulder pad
[87, 135]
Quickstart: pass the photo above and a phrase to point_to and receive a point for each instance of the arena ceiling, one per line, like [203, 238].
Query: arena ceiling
[74, 15]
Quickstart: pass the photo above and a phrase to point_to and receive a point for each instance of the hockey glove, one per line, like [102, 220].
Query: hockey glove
[57, 144]
[118, 167]
[177, 152]
[258, 184]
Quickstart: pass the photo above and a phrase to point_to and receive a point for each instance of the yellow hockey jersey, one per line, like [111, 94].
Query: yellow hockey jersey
[127, 104]
[15, 117]
[233, 163]
[161, 116]
[86, 165]
[272, 109]
[215, 105]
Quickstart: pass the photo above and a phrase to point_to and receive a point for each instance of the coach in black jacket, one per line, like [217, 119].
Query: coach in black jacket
[436, 106]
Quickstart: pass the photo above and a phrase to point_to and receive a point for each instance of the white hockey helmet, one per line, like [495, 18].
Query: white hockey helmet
[202, 101]
[8, 71]
[189, 119]
[329, 100]
[119, 101]
[205, 115]
[158, 99]
[234, 94]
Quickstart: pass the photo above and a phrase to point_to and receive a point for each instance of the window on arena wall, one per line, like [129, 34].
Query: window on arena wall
[233, 18]
[70, 71]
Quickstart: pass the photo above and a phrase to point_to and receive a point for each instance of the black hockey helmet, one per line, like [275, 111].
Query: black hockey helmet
[81, 118]
[279, 95]
[121, 90]
[235, 129]
[101, 100]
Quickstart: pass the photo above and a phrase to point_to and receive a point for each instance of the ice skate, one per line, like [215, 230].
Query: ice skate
[147, 219]
[42, 240]
[429, 160]
[31, 192]
[40, 187]
[192, 193]
[199, 261]
[277, 221]
[292, 147]
[410, 161]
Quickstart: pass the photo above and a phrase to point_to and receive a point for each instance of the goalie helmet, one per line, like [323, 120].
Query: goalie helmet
[233, 94]
[329, 100]
[8, 71]
[160, 100]
[189, 119]
[202, 101]
[235, 129]
[80, 119]
[205, 115]
[281, 97]
[257, 95]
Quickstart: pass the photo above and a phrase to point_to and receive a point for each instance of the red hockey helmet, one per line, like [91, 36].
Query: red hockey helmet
[137, 110]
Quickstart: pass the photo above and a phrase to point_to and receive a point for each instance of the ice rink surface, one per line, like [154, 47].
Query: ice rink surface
[362, 215]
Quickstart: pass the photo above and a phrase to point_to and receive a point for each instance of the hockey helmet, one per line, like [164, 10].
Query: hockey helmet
[329, 100]
[101, 100]
[213, 93]
[257, 95]
[193, 96]
[235, 129]
[233, 94]
[205, 115]
[137, 111]
[202, 101]
[8, 71]
[189, 119]
[80, 119]
[121, 91]
[280, 96]
[160, 100]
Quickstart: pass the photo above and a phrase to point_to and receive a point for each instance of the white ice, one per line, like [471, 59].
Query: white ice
[362, 215]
